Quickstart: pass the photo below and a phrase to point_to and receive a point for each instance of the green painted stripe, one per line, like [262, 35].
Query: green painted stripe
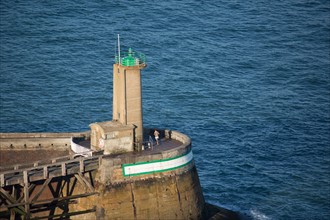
[156, 161]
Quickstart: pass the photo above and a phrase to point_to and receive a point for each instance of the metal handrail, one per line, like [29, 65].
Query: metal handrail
[140, 58]
[149, 142]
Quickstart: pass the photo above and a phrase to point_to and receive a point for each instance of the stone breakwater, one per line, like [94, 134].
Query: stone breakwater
[137, 185]
[169, 192]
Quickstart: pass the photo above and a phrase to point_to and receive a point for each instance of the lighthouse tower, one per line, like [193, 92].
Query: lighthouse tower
[125, 132]
[127, 91]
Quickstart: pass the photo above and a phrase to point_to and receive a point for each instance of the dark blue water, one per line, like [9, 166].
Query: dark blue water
[249, 81]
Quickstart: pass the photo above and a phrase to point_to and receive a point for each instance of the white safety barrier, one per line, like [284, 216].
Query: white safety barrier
[80, 150]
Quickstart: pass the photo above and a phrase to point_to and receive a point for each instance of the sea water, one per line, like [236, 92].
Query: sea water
[248, 81]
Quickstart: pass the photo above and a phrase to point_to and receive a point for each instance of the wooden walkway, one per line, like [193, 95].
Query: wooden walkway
[18, 196]
[61, 166]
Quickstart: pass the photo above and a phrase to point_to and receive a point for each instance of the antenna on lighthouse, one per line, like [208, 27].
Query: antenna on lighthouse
[118, 49]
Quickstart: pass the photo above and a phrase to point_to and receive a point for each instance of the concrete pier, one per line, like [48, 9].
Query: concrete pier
[115, 186]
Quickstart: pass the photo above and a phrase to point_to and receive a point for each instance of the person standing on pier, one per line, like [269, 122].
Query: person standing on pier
[156, 134]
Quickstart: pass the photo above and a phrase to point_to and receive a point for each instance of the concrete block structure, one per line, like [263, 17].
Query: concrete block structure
[112, 137]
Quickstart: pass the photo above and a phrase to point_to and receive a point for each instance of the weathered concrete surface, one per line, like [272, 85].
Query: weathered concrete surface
[13, 157]
[112, 137]
[33, 141]
[169, 197]
[127, 97]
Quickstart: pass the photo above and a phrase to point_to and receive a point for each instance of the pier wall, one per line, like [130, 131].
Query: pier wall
[33, 141]
[168, 193]
[172, 194]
